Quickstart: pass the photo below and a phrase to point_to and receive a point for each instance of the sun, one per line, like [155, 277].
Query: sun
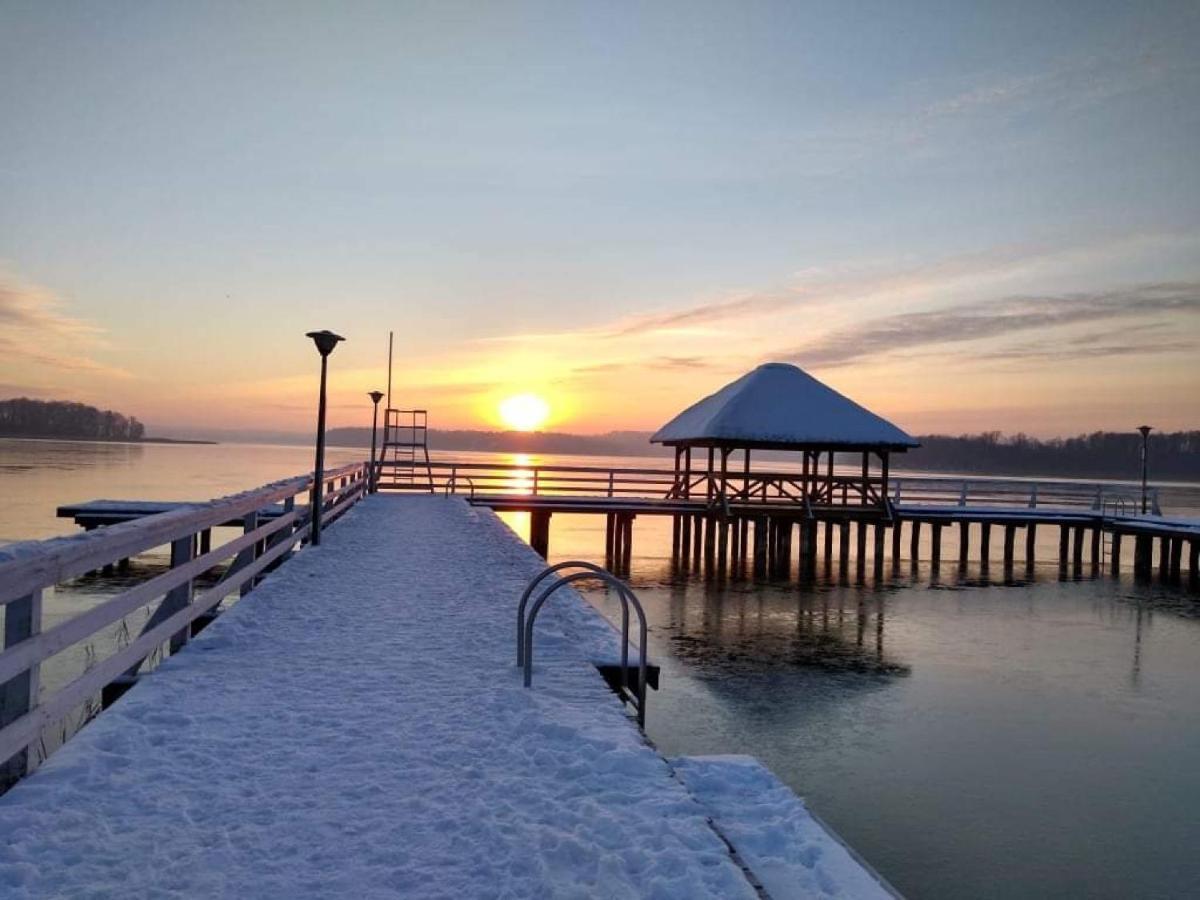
[524, 412]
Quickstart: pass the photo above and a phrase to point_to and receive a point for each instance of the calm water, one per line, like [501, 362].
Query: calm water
[970, 739]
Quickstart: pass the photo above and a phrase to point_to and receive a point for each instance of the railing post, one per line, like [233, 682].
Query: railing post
[181, 596]
[19, 695]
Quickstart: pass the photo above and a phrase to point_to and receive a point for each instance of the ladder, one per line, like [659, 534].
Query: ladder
[1112, 506]
[405, 451]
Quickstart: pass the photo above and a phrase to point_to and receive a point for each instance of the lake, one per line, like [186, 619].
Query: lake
[968, 738]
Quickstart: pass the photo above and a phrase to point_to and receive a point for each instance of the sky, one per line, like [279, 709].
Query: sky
[964, 216]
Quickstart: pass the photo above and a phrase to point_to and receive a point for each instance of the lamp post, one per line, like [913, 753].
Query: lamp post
[325, 341]
[1145, 430]
[375, 396]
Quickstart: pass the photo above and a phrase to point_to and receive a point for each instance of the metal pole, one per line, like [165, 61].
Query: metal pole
[389, 391]
[375, 396]
[374, 428]
[319, 464]
[1145, 430]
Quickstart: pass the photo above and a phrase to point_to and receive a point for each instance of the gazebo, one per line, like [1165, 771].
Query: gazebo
[780, 407]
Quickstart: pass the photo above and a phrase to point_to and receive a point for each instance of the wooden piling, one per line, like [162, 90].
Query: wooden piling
[964, 543]
[985, 543]
[860, 563]
[1064, 543]
[844, 547]
[936, 545]
[1077, 551]
[1114, 560]
[1176, 559]
[878, 549]
[914, 542]
[1030, 544]
[897, 528]
[1097, 549]
[539, 532]
[1010, 536]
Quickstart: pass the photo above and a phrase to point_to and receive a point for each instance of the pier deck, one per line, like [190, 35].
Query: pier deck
[356, 727]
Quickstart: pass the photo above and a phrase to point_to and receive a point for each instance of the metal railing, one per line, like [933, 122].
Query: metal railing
[27, 570]
[589, 571]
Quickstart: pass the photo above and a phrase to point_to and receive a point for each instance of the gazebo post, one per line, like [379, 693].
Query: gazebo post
[723, 528]
[883, 483]
[685, 538]
[676, 525]
[866, 476]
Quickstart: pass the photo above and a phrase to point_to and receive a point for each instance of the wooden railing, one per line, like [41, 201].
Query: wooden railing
[28, 569]
[482, 480]
[1108, 499]
[488, 479]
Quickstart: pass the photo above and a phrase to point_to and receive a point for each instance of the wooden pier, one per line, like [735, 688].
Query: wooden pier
[764, 523]
[356, 727]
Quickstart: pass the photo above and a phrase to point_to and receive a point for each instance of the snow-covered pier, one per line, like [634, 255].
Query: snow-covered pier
[356, 727]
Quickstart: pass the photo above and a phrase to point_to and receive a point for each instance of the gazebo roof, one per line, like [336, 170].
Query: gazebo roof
[780, 406]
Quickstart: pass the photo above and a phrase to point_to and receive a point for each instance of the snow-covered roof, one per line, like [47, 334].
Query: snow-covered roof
[780, 405]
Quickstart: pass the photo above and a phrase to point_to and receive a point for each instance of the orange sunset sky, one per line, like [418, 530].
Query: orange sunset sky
[991, 224]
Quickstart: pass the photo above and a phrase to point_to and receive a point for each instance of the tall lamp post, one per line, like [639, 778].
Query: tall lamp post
[325, 341]
[1145, 430]
[375, 396]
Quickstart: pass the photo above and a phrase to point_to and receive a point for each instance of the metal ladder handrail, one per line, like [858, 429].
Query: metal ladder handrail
[452, 484]
[626, 595]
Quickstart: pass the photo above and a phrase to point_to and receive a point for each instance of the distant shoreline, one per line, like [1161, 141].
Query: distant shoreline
[94, 440]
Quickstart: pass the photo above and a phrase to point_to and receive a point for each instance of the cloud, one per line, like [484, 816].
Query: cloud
[997, 319]
[37, 332]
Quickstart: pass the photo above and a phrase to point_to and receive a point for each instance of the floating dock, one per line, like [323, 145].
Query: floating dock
[356, 726]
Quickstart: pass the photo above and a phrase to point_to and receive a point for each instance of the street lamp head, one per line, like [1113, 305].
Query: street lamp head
[1144, 429]
[375, 396]
[325, 341]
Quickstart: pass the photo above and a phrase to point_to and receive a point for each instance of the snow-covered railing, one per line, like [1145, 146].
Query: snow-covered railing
[28, 569]
[583, 482]
[1006, 493]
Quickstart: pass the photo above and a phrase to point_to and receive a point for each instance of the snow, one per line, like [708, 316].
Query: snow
[791, 853]
[357, 727]
[781, 404]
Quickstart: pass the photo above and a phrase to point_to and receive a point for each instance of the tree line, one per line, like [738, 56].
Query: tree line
[1102, 454]
[23, 417]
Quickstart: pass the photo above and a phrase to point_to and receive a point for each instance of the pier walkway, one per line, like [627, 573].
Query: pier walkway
[356, 727]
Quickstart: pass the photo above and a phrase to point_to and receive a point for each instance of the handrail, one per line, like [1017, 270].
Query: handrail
[626, 595]
[452, 484]
[769, 487]
[27, 569]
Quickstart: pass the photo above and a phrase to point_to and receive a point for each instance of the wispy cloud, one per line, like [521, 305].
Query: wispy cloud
[1000, 318]
[38, 332]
